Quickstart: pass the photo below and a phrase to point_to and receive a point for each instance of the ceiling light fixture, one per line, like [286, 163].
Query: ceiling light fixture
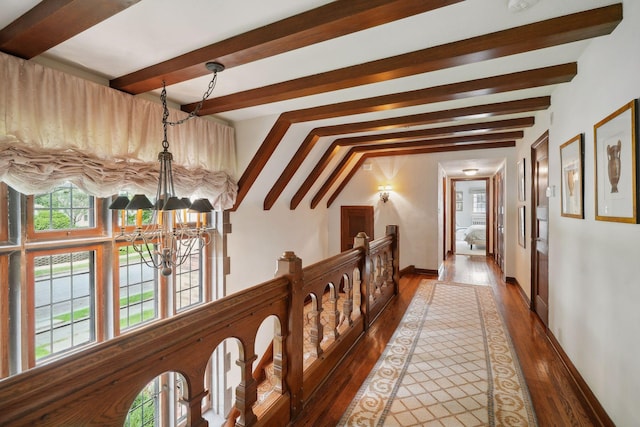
[520, 5]
[169, 239]
[470, 172]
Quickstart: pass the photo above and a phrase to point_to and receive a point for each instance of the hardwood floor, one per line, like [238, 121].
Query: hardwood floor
[556, 398]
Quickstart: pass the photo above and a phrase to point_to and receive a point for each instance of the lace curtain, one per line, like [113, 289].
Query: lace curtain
[55, 127]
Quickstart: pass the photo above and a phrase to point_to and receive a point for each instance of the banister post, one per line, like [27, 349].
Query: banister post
[290, 266]
[392, 230]
[362, 241]
[247, 390]
[194, 414]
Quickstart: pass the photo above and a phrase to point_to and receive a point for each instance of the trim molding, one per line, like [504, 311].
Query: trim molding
[411, 269]
[590, 398]
[523, 294]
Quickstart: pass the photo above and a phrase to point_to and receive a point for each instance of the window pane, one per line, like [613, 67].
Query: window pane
[144, 410]
[138, 290]
[63, 302]
[189, 280]
[65, 208]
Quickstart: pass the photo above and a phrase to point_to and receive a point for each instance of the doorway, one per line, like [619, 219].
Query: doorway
[354, 219]
[470, 216]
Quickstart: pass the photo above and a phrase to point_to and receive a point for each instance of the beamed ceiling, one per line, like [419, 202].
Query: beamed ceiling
[365, 78]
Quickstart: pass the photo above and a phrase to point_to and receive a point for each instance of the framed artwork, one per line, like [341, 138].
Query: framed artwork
[459, 200]
[521, 227]
[572, 178]
[521, 181]
[615, 163]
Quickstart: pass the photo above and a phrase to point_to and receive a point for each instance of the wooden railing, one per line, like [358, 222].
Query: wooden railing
[97, 386]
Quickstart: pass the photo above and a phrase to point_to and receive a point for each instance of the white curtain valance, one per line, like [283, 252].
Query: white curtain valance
[55, 127]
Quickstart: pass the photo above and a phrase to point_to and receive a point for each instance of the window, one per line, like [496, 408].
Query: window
[145, 408]
[68, 280]
[66, 211]
[137, 290]
[479, 202]
[63, 301]
[189, 281]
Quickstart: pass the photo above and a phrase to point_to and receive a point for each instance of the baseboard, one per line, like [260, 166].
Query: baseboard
[523, 295]
[591, 399]
[411, 269]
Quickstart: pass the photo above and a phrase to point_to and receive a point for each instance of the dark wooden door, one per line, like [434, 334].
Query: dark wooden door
[498, 214]
[540, 228]
[354, 219]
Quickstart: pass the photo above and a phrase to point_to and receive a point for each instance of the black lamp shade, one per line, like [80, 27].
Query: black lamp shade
[120, 202]
[139, 201]
[201, 205]
[173, 204]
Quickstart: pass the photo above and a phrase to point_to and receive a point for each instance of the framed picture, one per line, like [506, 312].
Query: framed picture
[615, 164]
[572, 181]
[459, 200]
[521, 227]
[521, 181]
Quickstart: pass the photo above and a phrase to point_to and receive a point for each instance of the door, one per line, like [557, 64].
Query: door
[498, 214]
[540, 228]
[354, 219]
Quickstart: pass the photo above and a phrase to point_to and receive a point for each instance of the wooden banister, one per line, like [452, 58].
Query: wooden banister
[98, 385]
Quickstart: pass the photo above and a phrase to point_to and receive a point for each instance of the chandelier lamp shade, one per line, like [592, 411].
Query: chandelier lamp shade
[170, 237]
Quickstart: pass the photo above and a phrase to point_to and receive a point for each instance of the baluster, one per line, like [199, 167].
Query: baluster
[279, 362]
[246, 393]
[316, 331]
[347, 305]
[333, 314]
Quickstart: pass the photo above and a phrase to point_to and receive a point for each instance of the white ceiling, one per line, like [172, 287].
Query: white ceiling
[152, 31]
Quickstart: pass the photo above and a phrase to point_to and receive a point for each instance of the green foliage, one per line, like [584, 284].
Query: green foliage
[59, 221]
[143, 411]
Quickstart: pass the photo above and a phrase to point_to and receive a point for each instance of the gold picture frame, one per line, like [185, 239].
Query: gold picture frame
[572, 178]
[615, 166]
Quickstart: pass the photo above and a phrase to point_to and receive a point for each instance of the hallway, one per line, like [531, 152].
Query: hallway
[556, 398]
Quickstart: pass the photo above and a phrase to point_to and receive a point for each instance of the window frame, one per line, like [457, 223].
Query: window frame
[4, 314]
[95, 231]
[28, 303]
[160, 293]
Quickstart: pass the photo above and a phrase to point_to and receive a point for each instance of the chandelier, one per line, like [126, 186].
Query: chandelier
[169, 238]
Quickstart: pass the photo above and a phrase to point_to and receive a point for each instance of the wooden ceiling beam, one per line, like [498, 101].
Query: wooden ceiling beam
[485, 110]
[490, 85]
[539, 35]
[517, 123]
[52, 22]
[379, 148]
[335, 146]
[426, 150]
[326, 22]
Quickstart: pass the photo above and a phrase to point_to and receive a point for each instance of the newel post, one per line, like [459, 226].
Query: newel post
[362, 241]
[290, 266]
[392, 230]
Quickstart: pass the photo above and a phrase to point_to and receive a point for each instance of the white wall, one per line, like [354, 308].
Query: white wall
[593, 265]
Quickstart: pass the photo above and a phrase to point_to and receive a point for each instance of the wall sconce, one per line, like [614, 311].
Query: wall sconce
[384, 192]
[470, 172]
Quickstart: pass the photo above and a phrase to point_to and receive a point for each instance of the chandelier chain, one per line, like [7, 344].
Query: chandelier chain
[192, 114]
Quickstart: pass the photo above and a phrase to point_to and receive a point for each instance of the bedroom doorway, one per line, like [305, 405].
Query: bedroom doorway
[469, 216]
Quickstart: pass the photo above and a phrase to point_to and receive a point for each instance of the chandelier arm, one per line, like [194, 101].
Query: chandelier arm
[142, 248]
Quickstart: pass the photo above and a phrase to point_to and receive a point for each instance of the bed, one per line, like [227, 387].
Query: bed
[476, 235]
